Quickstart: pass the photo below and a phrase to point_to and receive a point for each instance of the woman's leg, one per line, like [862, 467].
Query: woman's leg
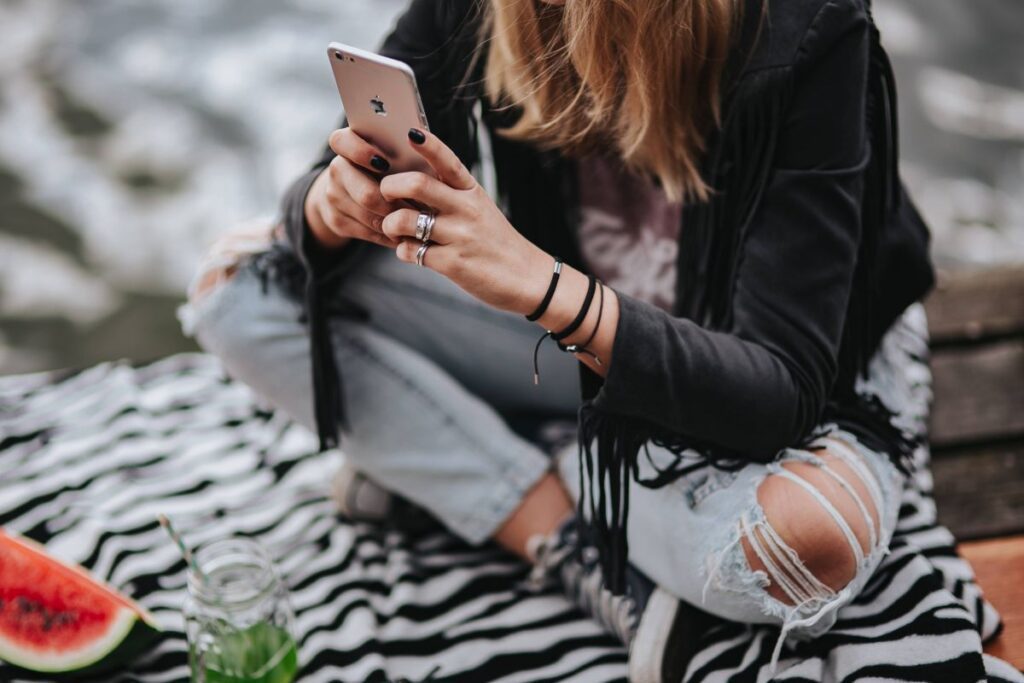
[790, 542]
[787, 543]
[423, 382]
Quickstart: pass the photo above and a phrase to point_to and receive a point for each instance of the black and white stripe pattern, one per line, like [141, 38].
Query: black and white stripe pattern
[88, 460]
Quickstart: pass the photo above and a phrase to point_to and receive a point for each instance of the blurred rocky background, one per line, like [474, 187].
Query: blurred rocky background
[132, 133]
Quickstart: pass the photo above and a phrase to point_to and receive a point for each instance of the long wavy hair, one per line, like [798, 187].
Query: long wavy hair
[641, 76]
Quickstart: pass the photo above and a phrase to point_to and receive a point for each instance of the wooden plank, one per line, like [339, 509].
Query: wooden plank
[980, 491]
[999, 567]
[979, 393]
[977, 304]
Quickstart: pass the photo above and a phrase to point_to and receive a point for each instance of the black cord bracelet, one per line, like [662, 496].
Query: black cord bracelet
[543, 306]
[569, 329]
[582, 347]
[581, 316]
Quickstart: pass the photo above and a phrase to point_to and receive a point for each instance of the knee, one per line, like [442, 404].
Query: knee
[224, 257]
[209, 279]
[218, 288]
[802, 545]
[227, 309]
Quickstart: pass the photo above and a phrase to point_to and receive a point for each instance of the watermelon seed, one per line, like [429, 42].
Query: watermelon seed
[63, 618]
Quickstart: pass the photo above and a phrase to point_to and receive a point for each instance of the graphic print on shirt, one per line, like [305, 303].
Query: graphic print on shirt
[628, 231]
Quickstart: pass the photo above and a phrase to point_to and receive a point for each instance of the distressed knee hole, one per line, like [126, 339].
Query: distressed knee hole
[801, 545]
[225, 256]
[854, 476]
[208, 280]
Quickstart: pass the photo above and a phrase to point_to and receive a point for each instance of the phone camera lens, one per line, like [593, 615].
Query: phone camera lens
[338, 55]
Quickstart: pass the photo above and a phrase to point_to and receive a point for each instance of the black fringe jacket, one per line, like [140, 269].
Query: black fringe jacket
[787, 278]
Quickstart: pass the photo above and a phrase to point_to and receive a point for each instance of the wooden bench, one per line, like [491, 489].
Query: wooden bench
[977, 434]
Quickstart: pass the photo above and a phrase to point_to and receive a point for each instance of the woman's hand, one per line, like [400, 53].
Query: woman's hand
[472, 242]
[344, 201]
[476, 247]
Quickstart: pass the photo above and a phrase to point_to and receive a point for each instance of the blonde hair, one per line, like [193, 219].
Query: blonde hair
[642, 76]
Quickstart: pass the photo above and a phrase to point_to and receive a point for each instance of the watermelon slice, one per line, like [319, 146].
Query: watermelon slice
[54, 617]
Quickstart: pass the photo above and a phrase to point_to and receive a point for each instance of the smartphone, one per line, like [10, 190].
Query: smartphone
[381, 101]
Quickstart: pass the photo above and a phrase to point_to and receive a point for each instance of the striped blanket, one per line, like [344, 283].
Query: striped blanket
[87, 461]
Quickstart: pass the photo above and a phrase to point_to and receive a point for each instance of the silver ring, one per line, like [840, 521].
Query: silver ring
[430, 228]
[424, 224]
[421, 252]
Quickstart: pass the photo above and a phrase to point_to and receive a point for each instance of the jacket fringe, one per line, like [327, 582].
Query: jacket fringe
[709, 257]
[281, 264]
[738, 173]
[607, 471]
[865, 415]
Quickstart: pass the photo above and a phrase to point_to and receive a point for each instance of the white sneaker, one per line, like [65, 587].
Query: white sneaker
[361, 499]
[358, 497]
[661, 631]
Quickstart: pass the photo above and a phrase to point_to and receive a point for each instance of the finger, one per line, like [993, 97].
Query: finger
[363, 233]
[421, 188]
[349, 226]
[403, 223]
[346, 223]
[361, 188]
[435, 257]
[346, 143]
[446, 164]
[339, 200]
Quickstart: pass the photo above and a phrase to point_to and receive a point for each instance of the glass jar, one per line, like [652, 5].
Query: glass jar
[238, 620]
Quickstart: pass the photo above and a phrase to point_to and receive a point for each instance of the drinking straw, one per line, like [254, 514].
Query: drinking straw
[185, 552]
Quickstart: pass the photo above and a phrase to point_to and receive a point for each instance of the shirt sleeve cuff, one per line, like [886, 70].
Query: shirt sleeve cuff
[622, 390]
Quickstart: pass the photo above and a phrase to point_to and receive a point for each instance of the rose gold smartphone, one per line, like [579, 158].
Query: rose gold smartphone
[381, 102]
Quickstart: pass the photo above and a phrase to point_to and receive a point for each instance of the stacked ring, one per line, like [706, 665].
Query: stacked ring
[424, 226]
[421, 252]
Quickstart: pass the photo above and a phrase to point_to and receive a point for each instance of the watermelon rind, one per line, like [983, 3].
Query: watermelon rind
[51, 661]
[115, 661]
[132, 629]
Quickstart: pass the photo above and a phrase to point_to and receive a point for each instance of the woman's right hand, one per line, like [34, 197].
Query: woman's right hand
[344, 201]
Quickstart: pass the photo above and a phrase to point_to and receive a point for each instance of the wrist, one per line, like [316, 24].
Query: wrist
[594, 337]
[535, 281]
[565, 302]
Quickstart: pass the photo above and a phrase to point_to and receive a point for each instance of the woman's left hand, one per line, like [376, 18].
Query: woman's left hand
[473, 244]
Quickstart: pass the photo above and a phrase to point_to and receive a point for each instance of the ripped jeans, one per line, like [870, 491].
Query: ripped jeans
[428, 380]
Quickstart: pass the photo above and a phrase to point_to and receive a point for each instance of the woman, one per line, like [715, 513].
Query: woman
[699, 200]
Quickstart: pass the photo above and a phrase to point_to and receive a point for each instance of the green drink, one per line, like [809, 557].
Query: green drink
[238, 620]
[262, 653]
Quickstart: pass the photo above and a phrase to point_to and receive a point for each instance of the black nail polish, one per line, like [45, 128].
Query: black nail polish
[417, 136]
[379, 163]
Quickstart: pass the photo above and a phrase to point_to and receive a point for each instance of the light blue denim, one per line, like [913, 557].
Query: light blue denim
[429, 377]
[425, 383]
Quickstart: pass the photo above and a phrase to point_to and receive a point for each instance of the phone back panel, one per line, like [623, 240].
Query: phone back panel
[381, 102]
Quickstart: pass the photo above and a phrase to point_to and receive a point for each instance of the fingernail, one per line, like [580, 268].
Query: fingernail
[379, 163]
[417, 136]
